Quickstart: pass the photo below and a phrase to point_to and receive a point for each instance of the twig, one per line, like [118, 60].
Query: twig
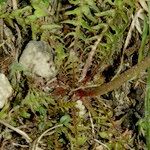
[19, 145]
[92, 125]
[27, 138]
[102, 144]
[14, 4]
[117, 82]
[91, 55]
[143, 4]
[36, 143]
[128, 38]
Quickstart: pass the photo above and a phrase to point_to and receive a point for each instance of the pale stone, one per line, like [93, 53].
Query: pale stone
[5, 90]
[81, 107]
[37, 58]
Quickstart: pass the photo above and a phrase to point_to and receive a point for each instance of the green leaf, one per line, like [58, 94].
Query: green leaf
[38, 4]
[123, 15]
[76, 11]
[110, 13]
[15, 67]
[86, 26]
[73, 22]
[42, 110]
[19, 15]
[119, 3]
[104, 135]
[40, 13]
[41, 8]
[60, 55]
[24, 114]
[75, 2]
[81, 140]
[92, 4]
[86, 11]
[2, 1]
[65, 120]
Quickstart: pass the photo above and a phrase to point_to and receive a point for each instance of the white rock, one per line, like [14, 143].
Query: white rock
[5, 90]
[37, 58]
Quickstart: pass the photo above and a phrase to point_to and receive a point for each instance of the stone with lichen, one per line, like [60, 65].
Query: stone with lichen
[5, 90]
[37, 58]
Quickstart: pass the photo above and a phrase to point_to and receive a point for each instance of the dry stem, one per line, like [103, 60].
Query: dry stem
[117, 82]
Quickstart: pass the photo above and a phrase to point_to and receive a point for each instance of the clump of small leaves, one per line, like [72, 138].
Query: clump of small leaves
[73, 29]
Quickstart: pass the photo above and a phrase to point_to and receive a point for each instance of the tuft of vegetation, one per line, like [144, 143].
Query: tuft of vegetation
[93, 42]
